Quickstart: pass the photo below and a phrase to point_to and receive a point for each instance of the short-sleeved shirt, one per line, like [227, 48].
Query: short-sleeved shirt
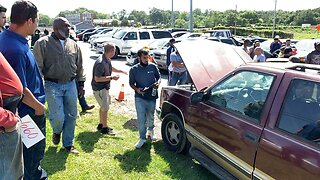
[15, 49]
[102, 67]
[175, 57]
[144, 77]
[10, 84]
[313, 58]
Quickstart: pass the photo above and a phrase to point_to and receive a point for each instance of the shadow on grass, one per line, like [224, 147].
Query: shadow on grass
[88, 139]
[181, 166]
[131, 124]
[135, 160]
[54, 161]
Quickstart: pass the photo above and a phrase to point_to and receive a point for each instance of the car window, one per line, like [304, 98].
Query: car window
[300, 113]
[244, 92]
[131, 36]
[144, 35]
[161, 34]
[227, 41]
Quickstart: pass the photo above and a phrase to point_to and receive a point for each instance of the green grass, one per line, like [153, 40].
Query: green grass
[114, 157]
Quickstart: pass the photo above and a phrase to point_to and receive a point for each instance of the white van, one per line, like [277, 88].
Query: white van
[125, 39]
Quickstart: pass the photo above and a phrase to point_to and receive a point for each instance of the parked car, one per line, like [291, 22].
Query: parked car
[225, 40]
[97, 38]
[125, 39]
[190, 35]
[220, 33]
[80, 35]
[152, 46]
[86, 36]
[304, 47]
[244, 120]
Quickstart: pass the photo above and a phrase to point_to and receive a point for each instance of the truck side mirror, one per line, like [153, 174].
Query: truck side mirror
[196, 97]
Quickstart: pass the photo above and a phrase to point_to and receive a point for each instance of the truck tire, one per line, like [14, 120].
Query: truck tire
[173, 134]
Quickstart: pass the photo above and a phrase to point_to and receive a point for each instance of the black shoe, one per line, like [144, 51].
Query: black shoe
[99, 127]
[107, 130]
[56, 138]
[71, 149]
[88, 108]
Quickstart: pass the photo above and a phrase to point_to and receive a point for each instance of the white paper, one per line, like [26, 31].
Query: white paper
[30, 133]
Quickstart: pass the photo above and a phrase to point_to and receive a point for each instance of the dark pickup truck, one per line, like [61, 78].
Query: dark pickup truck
[244, 120]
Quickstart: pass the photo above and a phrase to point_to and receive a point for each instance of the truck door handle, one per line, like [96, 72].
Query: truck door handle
[251, 136]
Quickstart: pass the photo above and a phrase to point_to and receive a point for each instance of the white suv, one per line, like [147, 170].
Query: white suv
[125, 39]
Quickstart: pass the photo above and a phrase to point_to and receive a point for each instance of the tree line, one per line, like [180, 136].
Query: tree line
[207, 18]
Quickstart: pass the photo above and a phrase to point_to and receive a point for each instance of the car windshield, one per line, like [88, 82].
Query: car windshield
[119, 34]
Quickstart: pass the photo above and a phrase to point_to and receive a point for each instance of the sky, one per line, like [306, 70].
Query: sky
[53, 7]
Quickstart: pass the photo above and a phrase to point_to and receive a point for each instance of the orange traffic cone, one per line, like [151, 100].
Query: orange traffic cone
[121, 94]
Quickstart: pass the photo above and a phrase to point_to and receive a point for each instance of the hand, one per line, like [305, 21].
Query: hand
[140, 91]
[81, 91]
[40, 110]
[156, 85]
[13, 128]
[116, 77]
[123, 72]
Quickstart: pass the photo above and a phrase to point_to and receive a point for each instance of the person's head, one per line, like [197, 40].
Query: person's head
[109, 50]
[276, 39]
[3, 17]
[258, 51]
[143, 55]
[25, 14]
[317, 46]
[61, 28]
[288, 42]
[256, 43]
[172, 41]
[287, 52]
[246, 42]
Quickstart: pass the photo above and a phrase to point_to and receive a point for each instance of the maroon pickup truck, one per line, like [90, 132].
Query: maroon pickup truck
[244, 120]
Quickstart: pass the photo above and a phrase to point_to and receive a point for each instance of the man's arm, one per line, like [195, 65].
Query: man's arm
[81, 77]
[118, 71]
[38, 53]
[31, 101]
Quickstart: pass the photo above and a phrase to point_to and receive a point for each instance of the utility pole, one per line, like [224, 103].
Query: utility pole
[235, 22]
[274, 17]
[172, 18]
[191, 17]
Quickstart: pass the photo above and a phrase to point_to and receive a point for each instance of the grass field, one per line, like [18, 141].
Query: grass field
[114, 157]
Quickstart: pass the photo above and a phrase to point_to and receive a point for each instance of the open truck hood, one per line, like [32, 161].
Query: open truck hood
[208, 61]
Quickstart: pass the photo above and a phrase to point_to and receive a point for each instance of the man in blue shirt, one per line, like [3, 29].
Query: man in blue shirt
[144, 79]
[14, 46]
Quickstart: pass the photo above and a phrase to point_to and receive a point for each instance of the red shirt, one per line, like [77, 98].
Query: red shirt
[10, 85]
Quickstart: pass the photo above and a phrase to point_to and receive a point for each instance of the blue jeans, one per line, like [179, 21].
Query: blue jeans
[11, 159]
[181, 77]
[33, 155]
[62, 104]
[145, 115]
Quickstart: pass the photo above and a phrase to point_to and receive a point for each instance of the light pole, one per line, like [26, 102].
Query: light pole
[172, 19]
[274, 17]
[191, 17]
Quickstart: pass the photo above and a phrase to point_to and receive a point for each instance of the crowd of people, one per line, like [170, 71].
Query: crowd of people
[53, 73]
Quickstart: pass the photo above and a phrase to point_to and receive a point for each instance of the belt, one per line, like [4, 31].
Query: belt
[12, 103]
[58, 80]
[179, 72]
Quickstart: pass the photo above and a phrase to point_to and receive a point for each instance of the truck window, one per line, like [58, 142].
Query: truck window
[144, 35]
[131, 36]
[244, 93]
[300, 114]
[161, 34]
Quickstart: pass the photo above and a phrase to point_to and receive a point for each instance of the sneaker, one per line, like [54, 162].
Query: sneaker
[151, 135]
[107, 130]
[71, 149]
[88, 108]
[140, 143]
[99, 127]
[56, 138]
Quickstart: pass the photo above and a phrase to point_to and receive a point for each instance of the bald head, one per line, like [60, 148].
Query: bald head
[61, 28]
